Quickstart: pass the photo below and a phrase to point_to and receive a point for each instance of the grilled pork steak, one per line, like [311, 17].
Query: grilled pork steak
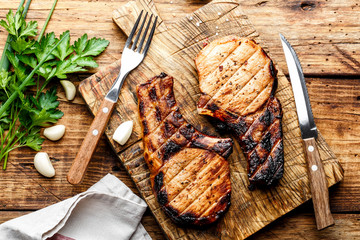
[238, 80]
[189, 172]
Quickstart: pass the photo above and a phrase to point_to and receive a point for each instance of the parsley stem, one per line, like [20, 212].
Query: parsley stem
[5, 161]
[47, 21]
[26, 8]
[27, 80]
[10, 132]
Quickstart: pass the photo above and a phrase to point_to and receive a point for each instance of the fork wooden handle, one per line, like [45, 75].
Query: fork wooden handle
[318, 184]
[88, 146]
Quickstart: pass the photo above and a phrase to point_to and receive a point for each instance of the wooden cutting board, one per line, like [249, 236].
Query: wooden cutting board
[172, 51]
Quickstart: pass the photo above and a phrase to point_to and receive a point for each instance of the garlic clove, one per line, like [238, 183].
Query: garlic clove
[123, 132]
[70, 89]
[54, 133]
[43, 165]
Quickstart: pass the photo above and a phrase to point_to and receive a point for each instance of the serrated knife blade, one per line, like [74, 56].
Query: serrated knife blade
[317, 177]
[303, 107]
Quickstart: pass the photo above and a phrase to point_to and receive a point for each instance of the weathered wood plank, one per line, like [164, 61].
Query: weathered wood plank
[295, 225]
[336, 106]
[325, 33]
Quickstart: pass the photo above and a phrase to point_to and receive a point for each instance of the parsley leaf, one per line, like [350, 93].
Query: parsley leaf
[86, 62]
[40, 112]
[43, 48]
[92, 47]
[31, 139]
[64, 49]
[21, 44]
[17, 27]
[19, 68]
[65, 67]
[48, 100]
[28, 30]
[10, 24]
[28, 60]
[4, 79]
[80, 44]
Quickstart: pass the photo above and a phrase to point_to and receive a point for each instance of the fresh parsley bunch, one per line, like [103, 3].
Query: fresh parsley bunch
[30, 62]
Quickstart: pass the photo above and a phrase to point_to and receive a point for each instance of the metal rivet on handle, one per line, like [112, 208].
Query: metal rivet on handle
[311, 148]
[95, 132]
[105, 110]
[314, 168]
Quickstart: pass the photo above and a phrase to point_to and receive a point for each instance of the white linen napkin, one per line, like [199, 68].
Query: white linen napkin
[107, 210]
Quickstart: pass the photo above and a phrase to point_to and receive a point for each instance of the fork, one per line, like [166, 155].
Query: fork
[130, 59]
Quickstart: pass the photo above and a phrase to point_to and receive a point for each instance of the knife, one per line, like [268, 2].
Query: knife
[318, 182]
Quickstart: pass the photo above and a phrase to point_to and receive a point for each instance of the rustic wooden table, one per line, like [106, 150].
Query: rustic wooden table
[326, 36]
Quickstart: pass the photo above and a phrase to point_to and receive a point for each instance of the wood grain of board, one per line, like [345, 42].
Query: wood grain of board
[324, 33]
[172, 51]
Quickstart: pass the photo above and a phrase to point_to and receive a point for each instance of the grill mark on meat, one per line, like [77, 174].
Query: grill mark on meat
[187, 177]
[243, 82]
[226, 42]
[212, 204]
[224, 200]
[265, 177]
[199, 190]
[263, 119]
[263, 139]
[241, 91]
[152, 94]
[236, 73]
[157, 114]
[173, 136]
[270, 85]
[223, 60]
[204, 197]
[145, 127]
[180, 158]
[246, 105]
[224, 75]
[184, 167]
[141, 107]
[169, 149]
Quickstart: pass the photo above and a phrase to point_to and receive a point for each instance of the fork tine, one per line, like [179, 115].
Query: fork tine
[150, 37]
[139, 33]
[128, 41]
[144, 36]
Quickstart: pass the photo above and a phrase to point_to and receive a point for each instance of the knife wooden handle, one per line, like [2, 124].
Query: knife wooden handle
[88, 146]
[318, 184]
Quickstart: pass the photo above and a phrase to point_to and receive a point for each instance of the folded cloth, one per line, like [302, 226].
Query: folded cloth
[107, 210]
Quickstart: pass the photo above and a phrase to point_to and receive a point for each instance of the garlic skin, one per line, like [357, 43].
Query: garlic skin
[70, 89]
[43, 165]
[123, 132]
[54, 133]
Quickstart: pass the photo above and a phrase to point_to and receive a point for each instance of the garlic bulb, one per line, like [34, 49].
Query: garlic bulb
[123, 132]
[54, 133]
[69, 88]
[43, 165]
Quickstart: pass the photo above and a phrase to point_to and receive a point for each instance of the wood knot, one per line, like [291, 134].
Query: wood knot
[262, 3]
[307, 6]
